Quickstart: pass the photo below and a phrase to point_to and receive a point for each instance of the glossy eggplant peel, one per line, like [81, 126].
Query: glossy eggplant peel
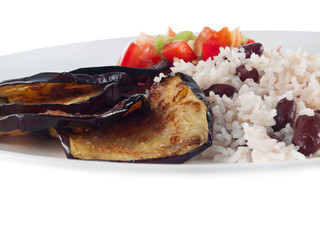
[90, 98]
[55, 117]
[76, 86]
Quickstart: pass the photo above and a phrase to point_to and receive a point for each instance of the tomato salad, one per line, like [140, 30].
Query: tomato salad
[184, 45]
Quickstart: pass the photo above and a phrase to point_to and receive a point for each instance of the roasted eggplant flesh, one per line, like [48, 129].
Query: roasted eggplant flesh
[103, 100]
[177, 127]
[13, 133]
[59, 88]
[53, 93]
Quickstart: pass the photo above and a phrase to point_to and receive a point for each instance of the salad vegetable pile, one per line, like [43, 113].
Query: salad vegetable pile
[184, 45]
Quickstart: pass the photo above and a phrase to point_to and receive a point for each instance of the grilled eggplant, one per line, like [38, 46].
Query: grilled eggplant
[73, 92]
[105, 99]
[141, 78]
[77, 85]
[51, 88]
[29, 122]
[13, 133]
[178, 127]
[136, 73]
[86, 97]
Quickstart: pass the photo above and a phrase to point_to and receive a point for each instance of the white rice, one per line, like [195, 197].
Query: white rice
[241, 123]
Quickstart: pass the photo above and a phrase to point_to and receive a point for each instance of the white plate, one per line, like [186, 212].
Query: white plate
[40, 150]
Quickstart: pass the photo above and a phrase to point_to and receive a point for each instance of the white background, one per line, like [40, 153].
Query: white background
[64, 202]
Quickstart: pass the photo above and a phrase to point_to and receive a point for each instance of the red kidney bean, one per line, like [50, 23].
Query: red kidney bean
[250, 48]
[286, 113]
[221, 89]
[244, 73]
[306, 134]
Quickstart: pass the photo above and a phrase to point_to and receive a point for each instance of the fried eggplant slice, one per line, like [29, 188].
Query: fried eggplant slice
[104, 100]
[48, 88]
[61, 88]
[30, 122]
[141, 78]
[136, 73]
[14, 133]
[69, 91]
[86, 97]
[178, 127]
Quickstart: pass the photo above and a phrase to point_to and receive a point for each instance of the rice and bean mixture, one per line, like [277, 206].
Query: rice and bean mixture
[244, 122]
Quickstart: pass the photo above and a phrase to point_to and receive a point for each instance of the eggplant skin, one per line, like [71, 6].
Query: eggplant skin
[105, 99]
[67, 77]
[136, 73]
[74, 91]
[31, 122]
[59, 88]
[178, 127]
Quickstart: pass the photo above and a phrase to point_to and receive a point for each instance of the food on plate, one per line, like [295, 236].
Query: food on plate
[184, 45]
[28, 122]
[13, 133]
[177, 127]
[221, 89]
[125, 101]
[306, 133]
[85, 99]
[75, 86]
[286, 113]
[218, 96]
[265, 103]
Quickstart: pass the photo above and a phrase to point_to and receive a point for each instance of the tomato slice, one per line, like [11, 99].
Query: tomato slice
[131, 55]
[180, 50]
[210, 50]
[151, 54]
[149, 57]
[203, 36]
[220, 38]
[211, 47]
[223, 36]
[250, 41]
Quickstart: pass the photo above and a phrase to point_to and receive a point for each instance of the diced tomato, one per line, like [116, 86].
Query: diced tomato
[212, 45]
[144, 40]
[220, 38]
[210, 50]
[149, 57]
[145, 63]
[171, 33]
[223, 36]
[151, 53]
[131, 55]
[250, 41]
[179, 50]
[148, 50]
[203, 36]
